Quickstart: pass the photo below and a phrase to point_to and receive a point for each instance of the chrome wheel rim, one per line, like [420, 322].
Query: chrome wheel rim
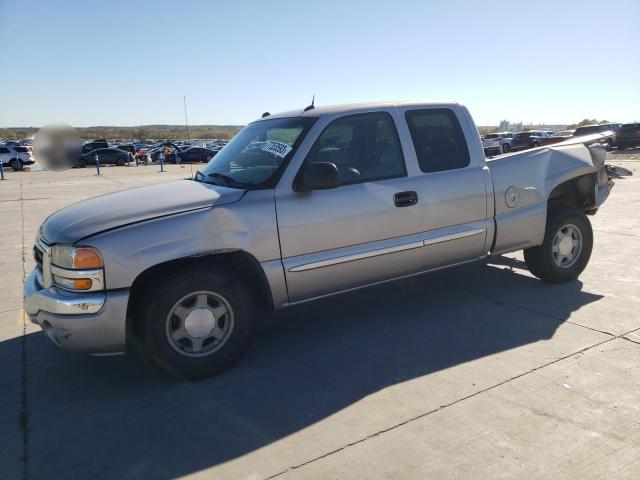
[567, 246]
[199, 324]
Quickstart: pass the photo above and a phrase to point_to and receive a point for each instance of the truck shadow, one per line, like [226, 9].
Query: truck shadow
[110, 417]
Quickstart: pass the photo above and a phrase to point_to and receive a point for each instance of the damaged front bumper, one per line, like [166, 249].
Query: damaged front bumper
[87, 323]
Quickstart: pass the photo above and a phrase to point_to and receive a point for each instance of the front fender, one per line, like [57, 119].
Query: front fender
[248, 225]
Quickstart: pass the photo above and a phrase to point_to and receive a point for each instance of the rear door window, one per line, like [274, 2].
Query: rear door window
[438, 139]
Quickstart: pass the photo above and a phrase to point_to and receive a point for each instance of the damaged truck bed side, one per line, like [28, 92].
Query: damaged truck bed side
[298, 206]
[529, 184]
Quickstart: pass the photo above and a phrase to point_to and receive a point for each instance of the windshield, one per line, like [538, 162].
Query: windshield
[256, 156]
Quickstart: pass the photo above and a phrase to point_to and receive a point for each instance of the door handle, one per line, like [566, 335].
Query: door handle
[405, 199]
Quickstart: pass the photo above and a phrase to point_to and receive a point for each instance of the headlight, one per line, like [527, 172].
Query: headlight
[77, 268]
[66, 256]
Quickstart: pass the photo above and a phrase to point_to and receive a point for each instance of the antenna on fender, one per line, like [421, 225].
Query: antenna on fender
[312, 106]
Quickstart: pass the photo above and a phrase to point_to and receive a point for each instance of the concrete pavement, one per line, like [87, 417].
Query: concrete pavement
[475, 372]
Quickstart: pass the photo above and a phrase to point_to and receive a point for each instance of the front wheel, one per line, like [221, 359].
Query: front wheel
[16, 164]
[506, 148]
[196, 322]
[566, 249]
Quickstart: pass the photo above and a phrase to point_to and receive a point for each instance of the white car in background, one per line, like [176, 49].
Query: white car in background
[16, 157]
[503, 138]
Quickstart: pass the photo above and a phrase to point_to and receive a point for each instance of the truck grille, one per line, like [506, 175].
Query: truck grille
[38, 253]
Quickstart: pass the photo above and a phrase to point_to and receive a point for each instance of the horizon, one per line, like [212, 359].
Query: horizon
[234, 61]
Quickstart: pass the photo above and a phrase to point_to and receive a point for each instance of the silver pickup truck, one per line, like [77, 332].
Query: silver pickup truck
[298, 206]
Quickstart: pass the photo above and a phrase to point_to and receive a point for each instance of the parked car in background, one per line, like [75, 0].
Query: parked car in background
[563, 133]
[127, 147]
[628, 136]
[505, 139]
[107, 156]
[93, 145]
[196, 154]
[528, 139]
[491, 146]
[16, 157]
[605, 127]
[155, 152]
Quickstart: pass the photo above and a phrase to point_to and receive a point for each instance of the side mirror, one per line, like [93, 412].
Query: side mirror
[320, 176]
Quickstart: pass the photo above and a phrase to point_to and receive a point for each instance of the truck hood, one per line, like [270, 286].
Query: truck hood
[118, 209]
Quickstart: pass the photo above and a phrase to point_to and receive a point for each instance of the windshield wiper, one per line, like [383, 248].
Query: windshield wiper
[226, 180]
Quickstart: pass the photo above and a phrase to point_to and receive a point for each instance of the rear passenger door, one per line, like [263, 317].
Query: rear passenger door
[453, 187]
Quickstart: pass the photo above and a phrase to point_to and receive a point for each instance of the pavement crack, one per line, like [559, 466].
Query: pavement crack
[455, 402]
[630, 340]
[25, 412]
[589, 328]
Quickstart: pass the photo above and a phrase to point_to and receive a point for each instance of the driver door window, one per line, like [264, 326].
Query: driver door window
[363, 147]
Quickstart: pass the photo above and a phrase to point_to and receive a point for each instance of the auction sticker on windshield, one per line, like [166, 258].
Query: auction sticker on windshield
[277, 148]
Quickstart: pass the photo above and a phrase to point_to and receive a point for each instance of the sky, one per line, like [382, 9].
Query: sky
[88, 63]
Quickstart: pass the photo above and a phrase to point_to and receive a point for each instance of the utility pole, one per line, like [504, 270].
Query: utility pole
[186, 121]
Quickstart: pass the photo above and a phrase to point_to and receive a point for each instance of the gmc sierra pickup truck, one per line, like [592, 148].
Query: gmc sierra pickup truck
[298, 206]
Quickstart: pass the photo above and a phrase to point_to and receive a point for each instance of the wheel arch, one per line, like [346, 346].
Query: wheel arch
[239, 262]
[578, 193]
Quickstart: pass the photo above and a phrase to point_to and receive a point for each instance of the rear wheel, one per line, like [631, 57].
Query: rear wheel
[16, 164]
[196, 322]
[566, 249]
[121, 161]
[506, 148]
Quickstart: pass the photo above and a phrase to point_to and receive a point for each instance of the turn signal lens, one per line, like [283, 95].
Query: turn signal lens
[73, 283]
[86, 258]
[82, 283]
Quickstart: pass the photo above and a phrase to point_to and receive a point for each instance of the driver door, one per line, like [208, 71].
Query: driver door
[362, 232]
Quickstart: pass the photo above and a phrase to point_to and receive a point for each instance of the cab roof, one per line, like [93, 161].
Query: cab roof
[354, 108]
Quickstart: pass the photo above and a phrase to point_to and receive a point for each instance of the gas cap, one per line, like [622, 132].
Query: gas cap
[512, 197]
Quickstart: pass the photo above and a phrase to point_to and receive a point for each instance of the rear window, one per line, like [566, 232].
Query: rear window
[492, 135]
[438, 139]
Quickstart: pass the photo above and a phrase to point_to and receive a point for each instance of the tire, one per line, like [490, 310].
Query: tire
[207, 159]
[121, 161]
[506, 148]
[181, 290]
[82, 163]
[16, 164]
[545, 261]
[621, 147]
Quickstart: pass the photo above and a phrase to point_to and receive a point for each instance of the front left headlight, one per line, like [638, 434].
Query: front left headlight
[73, 257]
[77, 268]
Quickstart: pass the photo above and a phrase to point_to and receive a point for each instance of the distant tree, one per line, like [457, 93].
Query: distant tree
[586, 121]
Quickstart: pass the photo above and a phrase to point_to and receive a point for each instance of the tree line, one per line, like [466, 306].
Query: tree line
[129, 133]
